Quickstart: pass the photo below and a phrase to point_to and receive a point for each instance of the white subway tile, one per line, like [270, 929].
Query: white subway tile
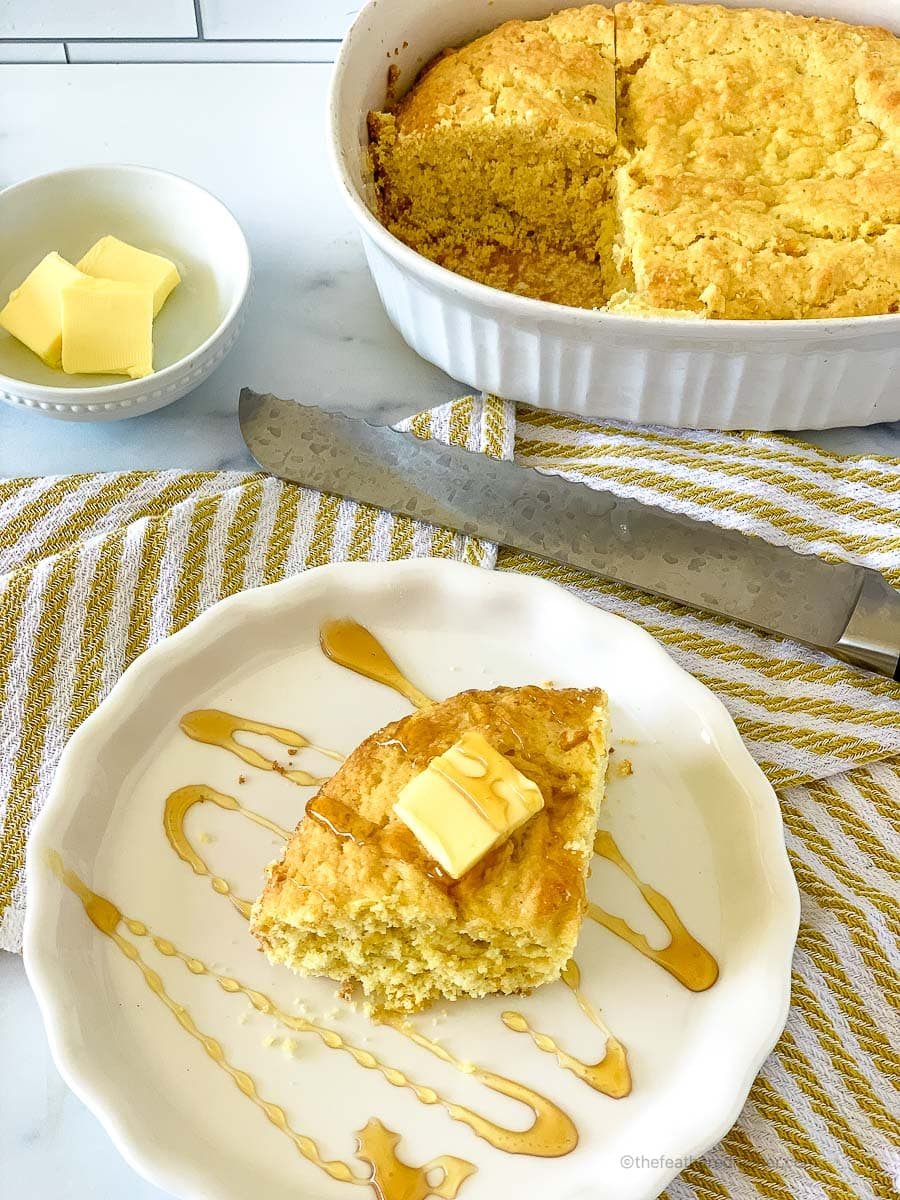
[277, 18]
[97, 18]
[32, 52]
[196, 51]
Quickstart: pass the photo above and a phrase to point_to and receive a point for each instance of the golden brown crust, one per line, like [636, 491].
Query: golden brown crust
[529, 890]
[554, 73]
[758, 162]
[764, 162]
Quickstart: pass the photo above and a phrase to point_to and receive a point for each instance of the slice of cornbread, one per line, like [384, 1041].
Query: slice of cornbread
[497, 164]
[763, 173]
[358, 899]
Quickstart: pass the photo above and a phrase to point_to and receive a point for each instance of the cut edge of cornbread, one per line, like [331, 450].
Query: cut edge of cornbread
[372, 913]
[460, 165]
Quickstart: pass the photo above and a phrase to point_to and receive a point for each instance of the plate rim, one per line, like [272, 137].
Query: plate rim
[174, 1171]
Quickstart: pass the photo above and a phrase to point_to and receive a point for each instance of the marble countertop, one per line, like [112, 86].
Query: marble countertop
[254, 135]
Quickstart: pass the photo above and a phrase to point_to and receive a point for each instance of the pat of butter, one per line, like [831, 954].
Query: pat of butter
[465, 802]
[113, 259]
[34, 312]
[107, 328]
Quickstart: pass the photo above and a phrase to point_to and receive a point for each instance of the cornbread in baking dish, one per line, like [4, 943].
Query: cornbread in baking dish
[498, 164]
[690, 159]
[356, 897]
[762, 174]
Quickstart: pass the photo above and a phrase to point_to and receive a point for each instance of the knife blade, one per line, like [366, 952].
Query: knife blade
[848, 611]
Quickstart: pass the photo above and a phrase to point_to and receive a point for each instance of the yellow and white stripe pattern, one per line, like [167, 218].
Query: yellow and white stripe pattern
[821, 1119]
[95, 568]
[803, 715]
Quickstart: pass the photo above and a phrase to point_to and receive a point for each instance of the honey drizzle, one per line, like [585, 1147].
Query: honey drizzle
[481, 1126]
[106, 917]
[177, 806]
[350, 826]
[550, 1128]
[684, 958]
[552, 1133]
[393, 1179]
[341, 820]
[214, 727]
[611, 1075]
[351, 645]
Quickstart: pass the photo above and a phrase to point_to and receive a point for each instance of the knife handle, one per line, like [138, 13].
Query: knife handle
[871, 637]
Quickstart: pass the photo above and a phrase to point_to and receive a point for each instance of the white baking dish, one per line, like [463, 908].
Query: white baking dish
[663, 370]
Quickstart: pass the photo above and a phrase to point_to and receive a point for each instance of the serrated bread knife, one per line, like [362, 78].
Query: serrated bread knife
[848, 611]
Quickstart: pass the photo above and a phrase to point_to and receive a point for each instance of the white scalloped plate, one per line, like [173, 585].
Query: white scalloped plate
[697, 819]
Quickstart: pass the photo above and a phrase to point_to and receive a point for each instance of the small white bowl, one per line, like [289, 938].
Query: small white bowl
[68, 211]
[812, 374]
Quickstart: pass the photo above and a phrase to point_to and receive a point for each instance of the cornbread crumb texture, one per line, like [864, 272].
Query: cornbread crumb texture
[662, 158]
[498, 163]
[764, 162]
[372, 912]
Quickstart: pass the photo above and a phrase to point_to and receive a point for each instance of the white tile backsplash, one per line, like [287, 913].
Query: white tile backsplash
[95, 31]
[277, 18]
[195, 51]
[66, 19]
[32, 52]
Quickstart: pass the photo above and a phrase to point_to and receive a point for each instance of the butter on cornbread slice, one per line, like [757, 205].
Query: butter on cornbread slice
[467, 801]
[498, 163]
[357, 897]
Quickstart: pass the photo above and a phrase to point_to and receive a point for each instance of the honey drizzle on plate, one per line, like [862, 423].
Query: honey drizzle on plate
[551, 1135]
[392, 1179]
[214, 727]
[684, 958]
[611, 1075]
[351, 645]
[106, 917]
[176, 808]
[533, 1140]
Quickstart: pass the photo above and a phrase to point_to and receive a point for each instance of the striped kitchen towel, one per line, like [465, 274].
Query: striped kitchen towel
[95, 568]
[803, 715]
[821, 1119]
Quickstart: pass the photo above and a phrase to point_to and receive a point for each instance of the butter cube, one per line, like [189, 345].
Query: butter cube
[112, 259]
[34, 312]
[467, 801]
[107, 328]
